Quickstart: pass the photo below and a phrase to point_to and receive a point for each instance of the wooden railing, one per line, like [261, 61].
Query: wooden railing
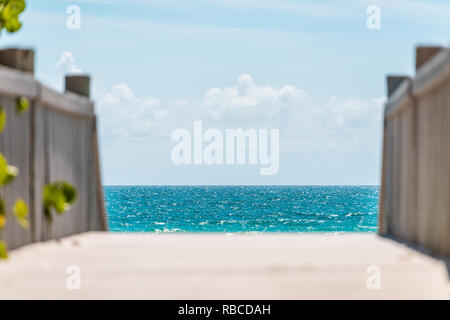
[56, 139]
[415, 187]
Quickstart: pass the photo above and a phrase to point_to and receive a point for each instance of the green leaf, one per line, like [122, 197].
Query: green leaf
[2, 221]
[58, 196]
[22, 104]
[21, 213]
[3, 250]
[7, 172]
[9, 14]
[2, 118]
[69, 192]
[53, 198]
[2, 214]
[48, 214]
[2, 207]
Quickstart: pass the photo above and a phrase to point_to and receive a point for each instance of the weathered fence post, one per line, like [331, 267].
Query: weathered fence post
[79, 84]
[393, 82]
[22, 60]
[415, 188]
[19, 59]
[54, 140]
[425, 53]
[98, 179]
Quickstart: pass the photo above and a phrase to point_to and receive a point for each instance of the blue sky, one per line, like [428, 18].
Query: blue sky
[154, 64]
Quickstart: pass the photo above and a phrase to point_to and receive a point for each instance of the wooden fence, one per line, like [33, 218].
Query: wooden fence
[415, 187]
[56, 139]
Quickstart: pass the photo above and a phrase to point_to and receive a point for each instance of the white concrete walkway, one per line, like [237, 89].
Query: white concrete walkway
[216, 266]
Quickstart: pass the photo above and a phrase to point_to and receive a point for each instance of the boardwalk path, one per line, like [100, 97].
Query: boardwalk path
[196, 266]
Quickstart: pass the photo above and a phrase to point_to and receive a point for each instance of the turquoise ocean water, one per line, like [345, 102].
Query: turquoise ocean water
[242, 208]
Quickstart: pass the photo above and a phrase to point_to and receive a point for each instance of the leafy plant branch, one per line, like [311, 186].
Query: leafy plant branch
[57, 196]
[7, 174]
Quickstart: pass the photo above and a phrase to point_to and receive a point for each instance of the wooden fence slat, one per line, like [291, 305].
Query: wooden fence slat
[415, 191]
[52, 141]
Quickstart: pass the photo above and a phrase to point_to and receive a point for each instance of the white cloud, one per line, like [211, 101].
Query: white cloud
[345, 125]
[250, 102]
[66, 63]
[122, 114]
[352, 113]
